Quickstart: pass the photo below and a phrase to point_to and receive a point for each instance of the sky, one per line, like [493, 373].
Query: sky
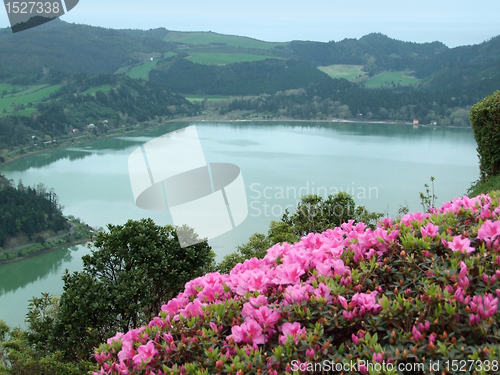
[455, 23]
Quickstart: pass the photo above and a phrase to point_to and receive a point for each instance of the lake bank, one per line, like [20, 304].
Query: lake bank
[79, 233]
[201, 118]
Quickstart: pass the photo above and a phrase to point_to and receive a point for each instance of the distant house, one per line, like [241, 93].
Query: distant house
[74, 130]
[415, 122]
[434, 123]
[91, 126]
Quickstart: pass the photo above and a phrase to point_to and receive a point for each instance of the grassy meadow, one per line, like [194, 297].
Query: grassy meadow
[209, 98]
[25, 95]
[224, 58]
[349, 72]
[211, 38]
[93, 90]
[142, 71]
[388, 78]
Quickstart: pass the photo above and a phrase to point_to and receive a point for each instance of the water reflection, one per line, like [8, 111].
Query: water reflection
[18, 274]
[86, 149]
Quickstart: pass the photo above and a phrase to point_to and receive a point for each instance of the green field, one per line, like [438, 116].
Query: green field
[210, 98]
[210, 37]
[391, 79]
[142, 71]
[224, 58]
[8, 87]
[93, 90]
[32, 94]
[349, 72]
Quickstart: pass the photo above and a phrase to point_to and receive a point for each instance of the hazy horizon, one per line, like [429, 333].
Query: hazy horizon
[454, 23]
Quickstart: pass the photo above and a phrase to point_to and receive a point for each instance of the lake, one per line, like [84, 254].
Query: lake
[383, 165]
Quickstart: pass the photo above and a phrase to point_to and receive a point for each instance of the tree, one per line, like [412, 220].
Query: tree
[132, 270]
[18, 355]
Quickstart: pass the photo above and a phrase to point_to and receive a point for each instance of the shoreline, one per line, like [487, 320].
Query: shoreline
[210, 119]
[77, 242]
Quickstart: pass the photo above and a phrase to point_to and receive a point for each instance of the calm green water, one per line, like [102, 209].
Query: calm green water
[383, 166]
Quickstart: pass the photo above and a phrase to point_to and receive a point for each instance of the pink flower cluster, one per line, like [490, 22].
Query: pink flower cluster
[483, 307]
[294, 274]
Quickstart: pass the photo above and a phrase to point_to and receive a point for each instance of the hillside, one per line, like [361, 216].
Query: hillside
[26, 56]
[28, 210]
[244, 78]
[94, 104]
[57, 45]
[45, 74]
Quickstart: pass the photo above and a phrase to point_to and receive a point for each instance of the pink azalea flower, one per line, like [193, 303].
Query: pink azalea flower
[298, 293]
[174, 305]
[144, 353]
[460, 244]
[416, 334]
[277, 251]
[120, 368]
[463, 270]
[386, 222]
[288, 274]
[102, 357]
[115, 338]
[192, 309]
[430, 230]
[249, 281]
[250, 332]
[266, 317]
[292, 329]
[127, 351]
[343, 302]
[366, 301]
[355, 339]
[489, 230]
[211, 293]
[310, 353]
[169, 338]
[323, 291]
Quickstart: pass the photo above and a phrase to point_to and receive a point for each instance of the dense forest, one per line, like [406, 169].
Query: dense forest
[28, 210]
[245, 78]
[341, 99]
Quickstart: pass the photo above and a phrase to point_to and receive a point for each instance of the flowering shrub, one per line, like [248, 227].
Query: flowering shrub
[417, 290]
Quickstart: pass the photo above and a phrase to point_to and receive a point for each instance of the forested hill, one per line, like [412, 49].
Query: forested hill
[28, 210]
[84, 104]
[243, 78]
[376, 52]
[57, 45]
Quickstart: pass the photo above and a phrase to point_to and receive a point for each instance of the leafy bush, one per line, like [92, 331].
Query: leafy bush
[479, 187]
[485, 119]
[421, 290]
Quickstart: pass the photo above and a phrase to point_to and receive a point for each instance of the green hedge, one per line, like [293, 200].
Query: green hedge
[485, 119]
